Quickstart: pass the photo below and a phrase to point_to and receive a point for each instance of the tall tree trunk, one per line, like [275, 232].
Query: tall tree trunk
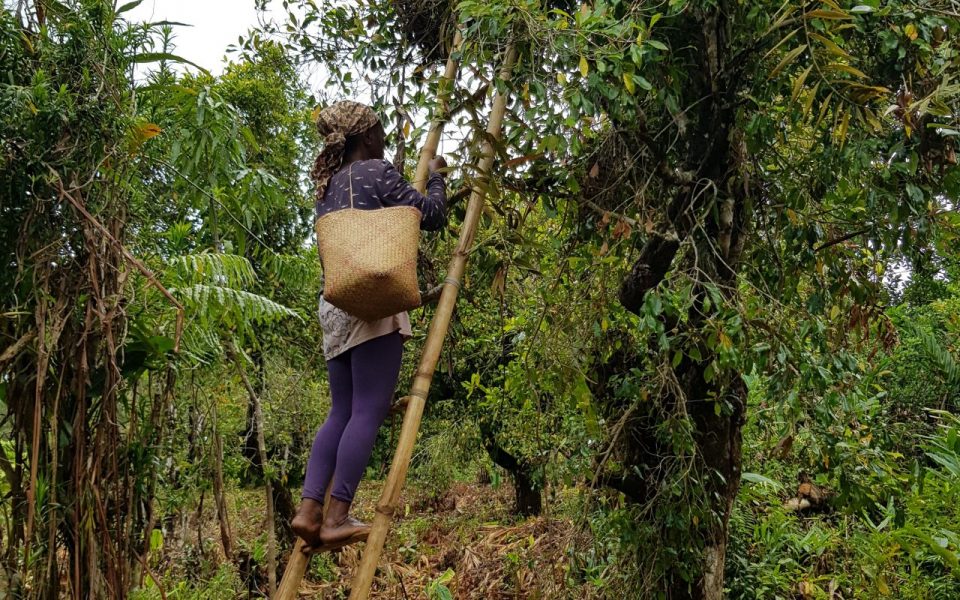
[218, 492]
[713, 225]
[718, 439]
[529, 493]
[268, 484]
[284, 505]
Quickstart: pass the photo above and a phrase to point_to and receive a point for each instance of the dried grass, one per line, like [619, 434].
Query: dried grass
[472, 532]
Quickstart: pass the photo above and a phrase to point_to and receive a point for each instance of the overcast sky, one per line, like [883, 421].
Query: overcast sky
[215, 24]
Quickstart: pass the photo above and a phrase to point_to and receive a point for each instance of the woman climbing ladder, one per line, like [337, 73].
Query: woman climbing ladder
[416, 400]
[363, 357]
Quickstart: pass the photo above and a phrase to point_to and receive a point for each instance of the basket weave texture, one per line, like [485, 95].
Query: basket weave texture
[370, 260]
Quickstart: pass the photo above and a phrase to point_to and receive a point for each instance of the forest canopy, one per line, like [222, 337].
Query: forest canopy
[707, 345]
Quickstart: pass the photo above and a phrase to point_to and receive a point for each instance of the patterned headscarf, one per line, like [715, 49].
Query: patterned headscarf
[336, 123]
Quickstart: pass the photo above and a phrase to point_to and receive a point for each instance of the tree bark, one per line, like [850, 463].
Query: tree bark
[710, 217]
[284, 505]
[529, 493]
[226, 538]
[268, 484]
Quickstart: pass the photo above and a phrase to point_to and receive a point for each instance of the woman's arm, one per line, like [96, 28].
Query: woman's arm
[393, 190]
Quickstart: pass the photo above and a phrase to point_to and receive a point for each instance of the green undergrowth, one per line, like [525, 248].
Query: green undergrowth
[224, 585]
[905, 545]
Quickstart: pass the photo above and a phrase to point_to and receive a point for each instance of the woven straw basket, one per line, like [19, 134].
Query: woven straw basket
[370, 259]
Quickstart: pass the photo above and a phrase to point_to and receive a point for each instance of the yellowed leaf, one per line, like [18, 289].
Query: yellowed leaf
[882, 586]
[789, 58]
[867, 92]
[824, 109]
[798, 83]
[842, 131]
[830, 45]
[872, 119]
[725, 340]
[149, 130]
[847, 69]
[584, 66]
[828, 15]
[810, 98]
[628, 83]
[911, 31]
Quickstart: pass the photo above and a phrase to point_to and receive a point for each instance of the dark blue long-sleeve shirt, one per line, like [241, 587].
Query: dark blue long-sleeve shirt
[376, 184]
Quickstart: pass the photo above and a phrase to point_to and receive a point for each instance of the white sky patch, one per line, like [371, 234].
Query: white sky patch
[210, 26]
[214, 25]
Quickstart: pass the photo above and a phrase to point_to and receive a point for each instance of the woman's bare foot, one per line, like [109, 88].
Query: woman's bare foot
[308, 521]
[339, 526]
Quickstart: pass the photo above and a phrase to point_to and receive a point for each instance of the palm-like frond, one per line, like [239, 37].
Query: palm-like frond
[941, 358]
[214, 303]
[219, 269]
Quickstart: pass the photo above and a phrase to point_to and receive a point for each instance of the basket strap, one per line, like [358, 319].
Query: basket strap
[350, 177]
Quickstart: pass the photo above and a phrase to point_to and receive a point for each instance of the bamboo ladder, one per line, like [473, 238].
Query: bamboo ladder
[416, 400]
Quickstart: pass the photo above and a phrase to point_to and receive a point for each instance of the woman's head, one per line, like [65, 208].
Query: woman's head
[366, 144]
[348, 128]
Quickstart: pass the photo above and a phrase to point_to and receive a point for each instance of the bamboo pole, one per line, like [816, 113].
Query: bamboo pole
[444, 87]
[363, 580]
[299, 560]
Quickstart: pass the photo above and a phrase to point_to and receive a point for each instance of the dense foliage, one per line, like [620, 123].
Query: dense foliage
[709, 326]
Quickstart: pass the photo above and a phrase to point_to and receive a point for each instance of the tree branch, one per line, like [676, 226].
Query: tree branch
[840, 240]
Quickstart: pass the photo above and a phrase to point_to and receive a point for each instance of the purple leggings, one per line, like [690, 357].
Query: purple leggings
[362, 382]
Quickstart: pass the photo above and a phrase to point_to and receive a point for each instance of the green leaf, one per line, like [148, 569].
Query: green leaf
[642, 82]
[150, 57]
[759, 479]
[156, 540]
[129, 6]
